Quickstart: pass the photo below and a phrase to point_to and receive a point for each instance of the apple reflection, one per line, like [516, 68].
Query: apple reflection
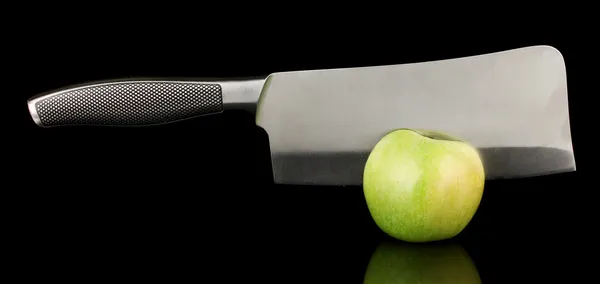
[398, 262]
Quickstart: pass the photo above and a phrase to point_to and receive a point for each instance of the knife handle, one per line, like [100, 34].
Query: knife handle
[141, 102]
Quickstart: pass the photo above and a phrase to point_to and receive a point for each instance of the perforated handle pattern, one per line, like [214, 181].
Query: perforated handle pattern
[127, 103]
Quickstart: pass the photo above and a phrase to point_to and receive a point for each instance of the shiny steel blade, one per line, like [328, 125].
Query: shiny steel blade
[511, 105]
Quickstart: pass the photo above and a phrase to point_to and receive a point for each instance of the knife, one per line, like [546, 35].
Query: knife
[322, 124]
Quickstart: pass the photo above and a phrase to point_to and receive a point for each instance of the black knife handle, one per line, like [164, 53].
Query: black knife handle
[127, 103]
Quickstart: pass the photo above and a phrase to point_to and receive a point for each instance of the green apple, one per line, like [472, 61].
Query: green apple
[395, 262]
[423, 186]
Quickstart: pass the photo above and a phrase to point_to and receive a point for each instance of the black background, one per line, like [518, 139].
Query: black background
[196, 199]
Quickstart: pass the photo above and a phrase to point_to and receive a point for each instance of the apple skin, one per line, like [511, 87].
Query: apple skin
[395, 262]
[423, 186]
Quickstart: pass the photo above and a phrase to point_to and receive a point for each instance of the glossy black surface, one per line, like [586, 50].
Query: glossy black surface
[195, 200]
[171, 202]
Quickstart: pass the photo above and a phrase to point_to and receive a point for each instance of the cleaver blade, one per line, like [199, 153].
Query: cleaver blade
[322, 124]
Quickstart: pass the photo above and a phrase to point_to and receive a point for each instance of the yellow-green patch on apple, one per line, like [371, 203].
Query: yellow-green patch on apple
[423, 186]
